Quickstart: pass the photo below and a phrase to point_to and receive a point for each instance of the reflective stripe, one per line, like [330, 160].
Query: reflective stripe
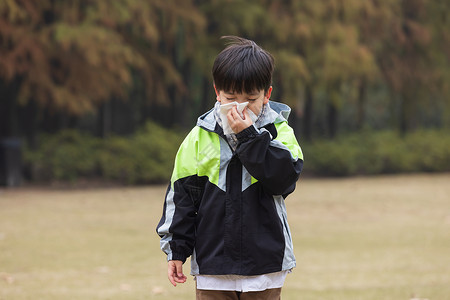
[194, 265]
[288, 258]
[278, 144]
[164, 229]
[205, 153]
[225, 157]
[246, 179]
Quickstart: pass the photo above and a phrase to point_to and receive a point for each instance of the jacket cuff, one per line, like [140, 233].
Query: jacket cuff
[177, 256]
[247, 134]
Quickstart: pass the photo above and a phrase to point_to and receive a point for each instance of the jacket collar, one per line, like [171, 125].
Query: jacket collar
[278, 112]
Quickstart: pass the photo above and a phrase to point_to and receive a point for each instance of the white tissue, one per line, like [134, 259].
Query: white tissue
[224, 108]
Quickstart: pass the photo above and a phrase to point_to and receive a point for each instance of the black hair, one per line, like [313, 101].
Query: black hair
[242, 66]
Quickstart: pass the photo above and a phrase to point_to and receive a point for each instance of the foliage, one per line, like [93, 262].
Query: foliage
[382, 152]
[101, 65]
[64, 156]
[145, 157]
[70, 57]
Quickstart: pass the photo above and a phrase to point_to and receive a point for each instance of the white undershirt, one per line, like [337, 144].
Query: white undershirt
[241, 283]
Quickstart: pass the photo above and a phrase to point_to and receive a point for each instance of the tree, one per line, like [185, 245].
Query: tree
[70, 57]
[348, 61]
[323, 37]
[400, 35]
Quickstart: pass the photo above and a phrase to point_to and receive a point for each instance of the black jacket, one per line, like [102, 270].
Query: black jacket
[226, 208]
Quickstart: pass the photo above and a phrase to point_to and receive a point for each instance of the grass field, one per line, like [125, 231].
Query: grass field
[355, 238]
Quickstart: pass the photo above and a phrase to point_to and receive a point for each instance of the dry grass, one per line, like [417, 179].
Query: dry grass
[358, 238]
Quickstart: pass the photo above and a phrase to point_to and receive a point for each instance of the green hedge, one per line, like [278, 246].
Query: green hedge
[147, 156]
[383, 152]
[64, 156]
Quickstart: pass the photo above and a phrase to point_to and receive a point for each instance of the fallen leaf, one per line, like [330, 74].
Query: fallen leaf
[7, 278]
[125, 287]
[102, 269]
[157, 290]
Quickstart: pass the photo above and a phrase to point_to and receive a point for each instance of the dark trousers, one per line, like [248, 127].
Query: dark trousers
[269, 294]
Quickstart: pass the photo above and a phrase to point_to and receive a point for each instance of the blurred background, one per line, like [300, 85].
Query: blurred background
[107, 90]
[98, 94]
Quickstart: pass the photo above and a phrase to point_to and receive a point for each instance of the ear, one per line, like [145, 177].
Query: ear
[217, 93]
[267, 95]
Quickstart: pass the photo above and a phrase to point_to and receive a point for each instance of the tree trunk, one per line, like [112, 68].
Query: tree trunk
[8, 108]
[5, 115]
[308, 113]
[105, 119]
[361, 116]
[208, 98]
[332, 118]
[405, 114]
[10, 144]
[30, 123]
[186, 102]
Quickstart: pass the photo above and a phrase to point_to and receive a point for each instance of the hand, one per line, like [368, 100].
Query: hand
[175, 272]
[236, 122]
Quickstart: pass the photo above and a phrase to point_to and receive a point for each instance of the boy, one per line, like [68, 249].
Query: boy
[225, 202]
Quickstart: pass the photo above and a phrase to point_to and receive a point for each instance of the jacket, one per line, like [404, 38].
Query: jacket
[226, 208]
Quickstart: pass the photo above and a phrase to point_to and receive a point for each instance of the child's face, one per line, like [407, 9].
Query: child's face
[255, 100]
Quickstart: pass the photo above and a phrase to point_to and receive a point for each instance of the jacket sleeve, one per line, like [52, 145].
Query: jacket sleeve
[276, 163]
[177, 225]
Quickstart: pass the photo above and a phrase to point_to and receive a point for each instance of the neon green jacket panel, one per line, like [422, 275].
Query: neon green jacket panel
[192, 161]
[287, 137]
